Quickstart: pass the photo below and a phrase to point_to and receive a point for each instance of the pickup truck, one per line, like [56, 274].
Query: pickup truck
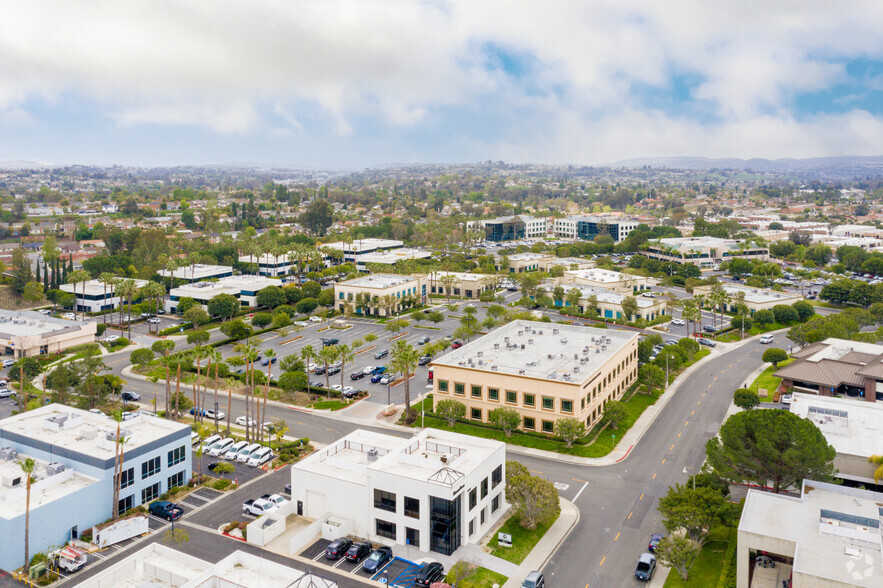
[166, 510]
[259, 507]
[68, 559]
[275, 499]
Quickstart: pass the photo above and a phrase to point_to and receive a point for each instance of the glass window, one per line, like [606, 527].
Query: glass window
[484, 488]
[150, 467]
[471, 527]
[476, 391]
[175, 480]
[497, 476]
[473, 498]
[149, 493]
[128, 478]
[412, 536]
[459, 389]
[412, 507]
[529, 424]
[567, 406]
[548, 427]
[511, 397]
[548, 403]
[493, 394]
[176, 456]
[385, 529]
[495, 503]
[442, 385]
[384, 500]
[444, 528]
[483, 515]
[530, 400]
[127, 503]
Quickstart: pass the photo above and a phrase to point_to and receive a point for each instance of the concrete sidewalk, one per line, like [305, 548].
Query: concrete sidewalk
[543, 551]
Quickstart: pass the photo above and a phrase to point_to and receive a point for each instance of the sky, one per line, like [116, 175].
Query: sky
[348, 84]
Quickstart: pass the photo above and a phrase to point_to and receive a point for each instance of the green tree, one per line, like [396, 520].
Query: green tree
[450, 410]
[185, 303]
[804, 310]
[770, 447]
[293, 381]
[197, 317]
[629, 308]
[27, 465]
[141, 357]
[506, 418]
[573, 297]
[223, 305]
[615, 413]
[534, 499]
[764, 317]
[774, 355]
[271, 297]
[236, 329]
[33, 293]
[678, 552]
[198, 337]
[403, 359]
[695, 511]
[318, 216]
[746, 399]
[21, 271]
[785, 314]
[261, 319]
[460, 572]
[569, 430]
[651, 377]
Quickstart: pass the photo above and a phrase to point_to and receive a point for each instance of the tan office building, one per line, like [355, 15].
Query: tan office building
[379, 287]
[545, 372]
[703, 251]
[27, 333]
[755, 298]
[524, 262]
[608, 279]
[462, 284]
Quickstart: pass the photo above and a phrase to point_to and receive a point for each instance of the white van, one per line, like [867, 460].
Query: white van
[261, 456]
[246, 452]
[209, 441]
[221, 447]
[235, 449]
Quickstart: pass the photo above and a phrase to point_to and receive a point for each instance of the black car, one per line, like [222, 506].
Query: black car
[358, 551]
[287, 488]
[378, 558]
[320, 370]
[214, 464]
[430, 573]
[708, 329]
[423, 340]
[357, 375]
[707, 342]
[328, 342]
[338, 548]
[381, 354]
[165, 510]
[130, 396]
[424, 359]
[333, 369]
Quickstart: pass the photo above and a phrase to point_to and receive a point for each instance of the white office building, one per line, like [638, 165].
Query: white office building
[436, 491]
[244, 288]
[353, 252]
[198, 271]
[271, 265]
[96, 296]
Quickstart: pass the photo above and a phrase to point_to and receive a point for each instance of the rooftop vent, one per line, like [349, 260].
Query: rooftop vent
[7, 453]
[521, 372]
[372, 454]
[54, 468]
[564, 339]
[494, 367]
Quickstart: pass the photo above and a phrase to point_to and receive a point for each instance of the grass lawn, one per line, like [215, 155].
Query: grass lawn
[707, 569]
[329, 404]
[767, 380]
[482, 579]
[523, 541]
[755, 330]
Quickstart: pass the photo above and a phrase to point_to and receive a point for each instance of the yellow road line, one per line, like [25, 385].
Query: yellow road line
[630, 515]
[602, 560]
[679, 435]
[654, 477]
[535, 472]
[686, 423]
[578, 480]
[672, 447]
[617, 537]
[663, 460]
[692, 412]
[642, 496]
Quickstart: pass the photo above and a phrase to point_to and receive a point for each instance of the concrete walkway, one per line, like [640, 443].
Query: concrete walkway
[543, 551]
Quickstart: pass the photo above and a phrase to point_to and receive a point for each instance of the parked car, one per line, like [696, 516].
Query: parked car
[210, 414]
[357, 375]
[358, 551]
[646, 566]
[766, 339]
[209, 441]
[166, 510]
[457, 344]
[235, 449]
[376, 378]
[45, 311]
[246, 452]
[423, 340]
[221, 447]
[424, 359]
[708, 329]
[213, 465]
[329, 342]
[320, 370]
[130, 396]
[268, 360]
[378, 369]
[349, 392]
[243, 421]
[260, 457]
[333, 369]
[258, 506]
[338, 548]
[387, 378]
[707, 342]
[154, 320]
[8, 363]
[378, 558]
[429, 574]
[785, 399]
[534, 579]
[655, 538]
[678, 322]
[5, 392]
[369, 370]
[315, 319]
[380, 354]
[275, 499]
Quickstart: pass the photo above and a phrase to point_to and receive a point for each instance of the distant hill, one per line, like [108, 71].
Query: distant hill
[840, 167]
[19, 164]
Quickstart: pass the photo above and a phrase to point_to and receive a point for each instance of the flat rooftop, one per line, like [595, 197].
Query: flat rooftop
[527, 256]
[686, 243]
[245, 570]
[836, 530]
[852, 427]
[204, 290]
[568, 261]
[198, 271]
[29, 323]
[96, 287]
[761, 295]
[47, 485]
[394, 255]
[563, 353]
[265, 258]
[422, 457]
[249, 282]
[379, 281]
[601, 276]
[462, 276]
[604, 295]
[151, 566]
[360, 245]
[83, 432]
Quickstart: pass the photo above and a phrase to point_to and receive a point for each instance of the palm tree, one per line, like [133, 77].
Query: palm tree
[128, 289]
[154, 291]
[27, 466]
[197, 353]
[164, 348]
[404, 358]
[328, 354]
[75, 278]
[878, 473]
[308, 353]
[250, 354]
[345, 353]
[216, 358]
[107, 279]
[717, 296]
[270, 355]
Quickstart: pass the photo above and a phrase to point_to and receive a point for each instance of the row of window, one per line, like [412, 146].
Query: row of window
[149, 493]
[150, 467]
[176, 456]
[388, 529]
[384, 500]
[493, 395]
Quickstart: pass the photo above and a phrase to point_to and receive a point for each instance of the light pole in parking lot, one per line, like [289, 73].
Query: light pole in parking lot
[216, 415]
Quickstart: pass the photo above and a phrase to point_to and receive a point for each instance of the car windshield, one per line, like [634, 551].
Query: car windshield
[643, 566]
[375, 556]
[529, 584]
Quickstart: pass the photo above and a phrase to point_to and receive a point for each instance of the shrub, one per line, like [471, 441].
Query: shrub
[101, 329]
[261, 319]
[745, 399]
[764, 317]
[785, 314]
[774, 355]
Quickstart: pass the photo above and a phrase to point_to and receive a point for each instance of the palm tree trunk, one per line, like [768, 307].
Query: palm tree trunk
[168, 390]
[264, 410]
[197, 414]
[216, 396]
[116, 481]
[27, 522]
[177, 389]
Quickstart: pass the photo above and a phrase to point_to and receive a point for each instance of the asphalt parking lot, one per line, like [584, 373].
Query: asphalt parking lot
[243, 472]
[229, 507]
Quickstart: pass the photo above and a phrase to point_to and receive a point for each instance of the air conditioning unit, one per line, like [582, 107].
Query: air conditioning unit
[7, 453]
[54, 468]
[372, 454]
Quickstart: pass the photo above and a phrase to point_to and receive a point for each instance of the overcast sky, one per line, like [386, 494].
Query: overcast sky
[354, 83]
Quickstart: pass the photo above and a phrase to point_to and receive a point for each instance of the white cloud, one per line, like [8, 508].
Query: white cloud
[218, 64]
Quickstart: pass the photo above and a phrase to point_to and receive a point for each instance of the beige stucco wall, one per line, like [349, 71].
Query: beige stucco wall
[752, 541]
[350, 291]
[30, 345]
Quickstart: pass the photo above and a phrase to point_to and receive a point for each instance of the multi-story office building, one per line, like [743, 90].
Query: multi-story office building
[462, 284]
[271, 265]
[608, 303]
[354, 251]
[391, 257]
[198, 272]
[27, 333]
[518, 263]
[379, 288]
[75, 454]
[704, 251]
[98, 296]
[245, 288]
[436, 491]
[608, 280]
[568, 263]
[545, 372]
[588, 227]
[512, 228]
[754, 298]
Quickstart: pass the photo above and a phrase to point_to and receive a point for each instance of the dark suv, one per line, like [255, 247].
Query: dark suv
[381, 354]
[430, 573]
[338, 548]
[329, 342]
[378, 558]
[358, 551]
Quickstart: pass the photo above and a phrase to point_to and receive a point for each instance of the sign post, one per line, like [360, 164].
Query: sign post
[504, 539]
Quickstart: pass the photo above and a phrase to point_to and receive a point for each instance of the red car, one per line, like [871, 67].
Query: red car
[456, 345]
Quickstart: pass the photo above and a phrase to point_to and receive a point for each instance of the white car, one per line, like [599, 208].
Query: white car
[766, 339]
[6, 393]
[221, 447]
[261, 456]
[246, 452]
[678, 322]
[111, 338]
[312, 367]
[785, 399]
[301, 324]
[154, 320]
[45, 311]
[235, 449]
[368, 370]
[337, 387]
[8, 363]
[315, 319]
[347, 390]
[244, 422]
[92, 410]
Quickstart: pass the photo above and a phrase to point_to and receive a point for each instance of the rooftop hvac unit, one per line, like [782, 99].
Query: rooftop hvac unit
[554, 331]
[480, 362]
[603, 348]
[564, 339]
[494, 367]
[522, 345]
[520, 372]
[576, 369]
[480, 353]
[372, 454]
[576, 356]
[566, 376]
[530, 341]
[496, 345]
[552, 376]
[461, 362]
[540, 332]
[7, 453]
[597, 350]
[54, 468]
[444, 458]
